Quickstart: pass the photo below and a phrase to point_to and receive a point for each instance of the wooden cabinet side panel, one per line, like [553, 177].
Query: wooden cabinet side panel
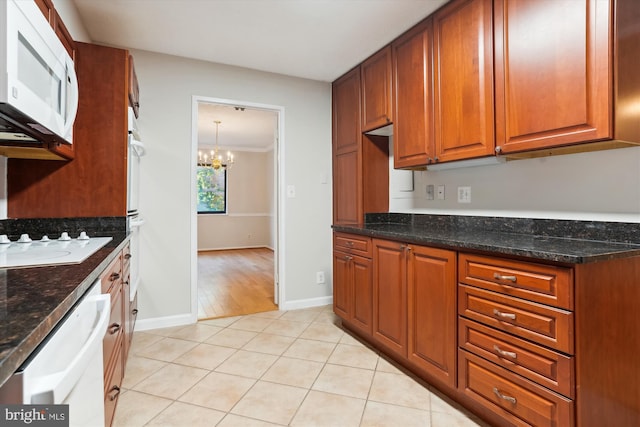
[390, 296]
[375, 173]
[463, 74]
[413, 98]
[553, 73]
[432, 287]
[94, 183]
[608, 343]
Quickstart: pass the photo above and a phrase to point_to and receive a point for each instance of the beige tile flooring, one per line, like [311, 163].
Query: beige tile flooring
[282, 368]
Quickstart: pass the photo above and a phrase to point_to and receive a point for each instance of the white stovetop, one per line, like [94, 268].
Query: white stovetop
[39, 253]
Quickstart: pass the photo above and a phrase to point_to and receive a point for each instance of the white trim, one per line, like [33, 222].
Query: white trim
[280, 211]
[239, 148]
[233, 247]
[164, 322]
[306, 303]
[241, 214]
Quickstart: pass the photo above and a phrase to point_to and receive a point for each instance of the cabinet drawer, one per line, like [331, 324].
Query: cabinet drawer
[112, 386]
[353, 244]
[545, 325]
[112, 274]
[546, 367]
[519, 401]
[534, 282]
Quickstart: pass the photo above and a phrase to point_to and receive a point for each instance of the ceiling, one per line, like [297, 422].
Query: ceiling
[312, 39]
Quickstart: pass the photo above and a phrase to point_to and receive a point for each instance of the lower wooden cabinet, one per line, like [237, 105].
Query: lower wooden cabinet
[116, 342]
[352, 294]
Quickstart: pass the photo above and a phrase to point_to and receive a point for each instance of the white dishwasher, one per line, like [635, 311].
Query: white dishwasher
[67, 367]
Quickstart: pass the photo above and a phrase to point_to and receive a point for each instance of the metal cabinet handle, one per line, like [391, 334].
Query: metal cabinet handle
[498, 149]
[114, 276]
[504, 353]
[348, 258]
[504, 315]
[114, 328]
[112, 395]
[349, 243]
[127, 256]
[134, 311]
[508, 278]
[504, 396]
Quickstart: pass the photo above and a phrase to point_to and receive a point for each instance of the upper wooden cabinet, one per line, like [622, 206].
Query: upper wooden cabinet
[53, 18]
[346, 112]
[375, 75]
[553, 73]
[463, 80]
[46, 6]
[413, 139]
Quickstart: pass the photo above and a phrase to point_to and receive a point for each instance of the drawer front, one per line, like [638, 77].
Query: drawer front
[534, 282]
[352, 244]
[112, 386]
[115, 328]
[112, 274]
[516, 399]
[544, 325]
[546, 367]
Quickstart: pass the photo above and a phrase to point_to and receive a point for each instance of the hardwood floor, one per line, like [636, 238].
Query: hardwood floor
[235, 282]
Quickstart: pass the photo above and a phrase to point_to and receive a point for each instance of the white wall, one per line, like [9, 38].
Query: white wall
[167, 84]
[599, 186]
[71, 18]
[247, 222]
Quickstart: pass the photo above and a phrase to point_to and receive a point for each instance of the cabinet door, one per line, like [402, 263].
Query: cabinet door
[376, 90]
[413, 98]
[553, 71]
[431, 283]
[342, 285]
[347, 188]
[346, 113]
[134, 88]
[390, 296]
[463, 74]
[362, 294]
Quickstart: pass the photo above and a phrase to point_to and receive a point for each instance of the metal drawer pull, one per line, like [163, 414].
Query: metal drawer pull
[501, 277]
[113, 328]
[114, 276]
[113, 396]
[349, 243]
[504, 396]
[503, 353]
[504, 315]
[348, 258]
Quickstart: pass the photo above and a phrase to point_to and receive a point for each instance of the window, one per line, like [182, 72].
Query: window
[212, 190]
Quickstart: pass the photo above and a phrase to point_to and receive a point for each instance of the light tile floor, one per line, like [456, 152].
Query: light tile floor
[279, 368]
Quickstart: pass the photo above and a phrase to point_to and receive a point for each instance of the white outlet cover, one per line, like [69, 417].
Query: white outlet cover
[291, 191]
[464, 194]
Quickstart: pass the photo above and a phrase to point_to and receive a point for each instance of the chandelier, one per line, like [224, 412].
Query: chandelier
[215, 160]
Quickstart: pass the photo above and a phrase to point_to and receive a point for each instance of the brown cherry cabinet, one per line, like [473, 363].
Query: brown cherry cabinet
[352, 269]
[414, 300]
[376, 90]
[360, 162]
[100, 148]
[413, 128]
[463, 80]
[553, 71]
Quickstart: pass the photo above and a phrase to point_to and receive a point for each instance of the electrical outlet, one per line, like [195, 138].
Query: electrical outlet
[440, 192]
[430, 192]
[464, 194]
[320, 277]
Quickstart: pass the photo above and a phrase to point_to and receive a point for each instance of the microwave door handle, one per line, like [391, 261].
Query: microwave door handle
[72, 95]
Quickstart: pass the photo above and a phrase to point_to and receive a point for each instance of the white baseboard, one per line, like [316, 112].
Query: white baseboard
[164, 322]
[232, 248]
[306, 303]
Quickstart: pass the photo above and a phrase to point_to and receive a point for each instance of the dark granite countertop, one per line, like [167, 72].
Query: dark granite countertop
[34, 300]
[573, 242]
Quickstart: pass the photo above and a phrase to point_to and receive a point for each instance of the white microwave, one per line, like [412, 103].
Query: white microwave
[38, 83]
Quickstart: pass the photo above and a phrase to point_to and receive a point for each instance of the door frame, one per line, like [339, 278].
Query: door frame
[278, 146]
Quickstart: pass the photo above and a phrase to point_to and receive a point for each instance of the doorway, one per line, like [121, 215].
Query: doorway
[236, 242]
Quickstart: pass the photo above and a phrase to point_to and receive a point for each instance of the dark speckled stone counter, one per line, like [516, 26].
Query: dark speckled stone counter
[563, 241]
[34, 300]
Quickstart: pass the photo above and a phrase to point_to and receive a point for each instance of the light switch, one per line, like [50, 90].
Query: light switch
[291, 191]
[323, 178]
